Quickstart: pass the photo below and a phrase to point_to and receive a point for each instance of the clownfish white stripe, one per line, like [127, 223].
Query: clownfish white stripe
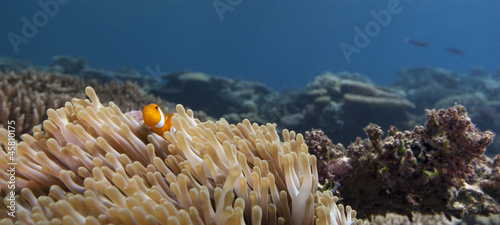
[162, 120]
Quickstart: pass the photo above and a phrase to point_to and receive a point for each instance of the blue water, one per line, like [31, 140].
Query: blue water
[283, 44]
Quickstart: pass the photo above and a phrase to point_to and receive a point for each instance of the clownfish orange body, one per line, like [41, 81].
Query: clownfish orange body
[155, 119]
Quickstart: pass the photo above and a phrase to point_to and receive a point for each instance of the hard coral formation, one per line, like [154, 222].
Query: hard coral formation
[370, 94]
[93, 164]
[79, 67]
[436, 168]
[331, 159]
[215, 95]
[26, 96]
[9, 64]
[68, 65]
[438, 88]
[426, 86]
[338, 104]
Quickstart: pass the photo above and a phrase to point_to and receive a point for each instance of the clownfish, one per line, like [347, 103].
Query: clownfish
[155, 119]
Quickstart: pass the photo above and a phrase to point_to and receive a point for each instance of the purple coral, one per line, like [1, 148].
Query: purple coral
[331, 158]
[428, 170]
[320, 145]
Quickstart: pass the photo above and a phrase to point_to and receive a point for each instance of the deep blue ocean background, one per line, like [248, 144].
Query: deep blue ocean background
[283, 44]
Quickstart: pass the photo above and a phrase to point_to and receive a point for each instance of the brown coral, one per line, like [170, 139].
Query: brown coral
[93, 164]
[331, 158]
[26, 96]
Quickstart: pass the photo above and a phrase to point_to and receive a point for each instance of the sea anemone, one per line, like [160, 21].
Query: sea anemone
[92, 164]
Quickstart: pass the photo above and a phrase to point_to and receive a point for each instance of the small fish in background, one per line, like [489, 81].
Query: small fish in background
[455, 51]
[416, 42]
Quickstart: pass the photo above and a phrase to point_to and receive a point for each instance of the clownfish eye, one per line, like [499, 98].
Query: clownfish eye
[156, 107]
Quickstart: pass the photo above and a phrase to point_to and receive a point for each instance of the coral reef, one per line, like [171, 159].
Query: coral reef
[79, 67]
[436, 168]
[333, 102]
[425, 86]
[93, 164]
[26, 96]
[328, 158]
[9, 64]
[68, 65]
[338, 104]
[216, 96]
[97, 74]
[437, 88]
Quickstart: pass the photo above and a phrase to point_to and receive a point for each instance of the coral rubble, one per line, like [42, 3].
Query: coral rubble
[436, 168]
[93, 164]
